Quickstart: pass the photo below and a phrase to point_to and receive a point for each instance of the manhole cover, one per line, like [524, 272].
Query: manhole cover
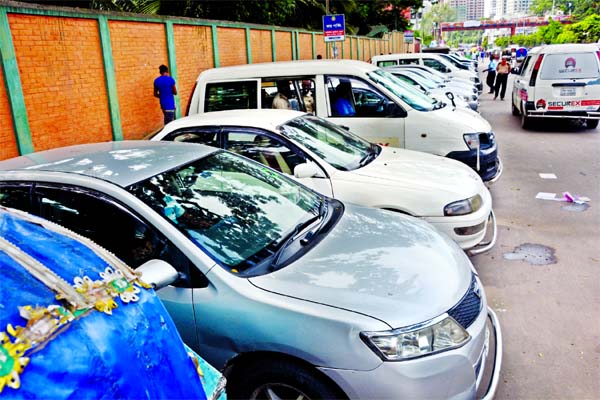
[575, 207]
[535, 254]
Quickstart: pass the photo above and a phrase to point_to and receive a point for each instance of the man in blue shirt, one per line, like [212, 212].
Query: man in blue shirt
[165, 90]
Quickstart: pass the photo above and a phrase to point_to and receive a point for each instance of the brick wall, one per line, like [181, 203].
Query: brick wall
[261, 46]
[8, 144]
[194, 52]
[139, 48]
[62, 76]
[61, 67]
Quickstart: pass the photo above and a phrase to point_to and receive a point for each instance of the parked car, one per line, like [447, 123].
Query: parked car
[458, 98]
[336, 163]
[558, 81]
[290, 293]
[368, 100]
[438, 62]
[79, 323]
[440, 78]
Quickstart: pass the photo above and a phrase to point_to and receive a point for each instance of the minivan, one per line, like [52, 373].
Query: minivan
[558, 81]
[438, 62]
[378, 106]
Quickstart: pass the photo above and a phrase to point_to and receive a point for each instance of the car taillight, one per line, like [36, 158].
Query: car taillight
[536, 69]
[540, 104]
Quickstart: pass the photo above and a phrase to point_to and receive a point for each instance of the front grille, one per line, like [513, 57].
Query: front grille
[468, 308]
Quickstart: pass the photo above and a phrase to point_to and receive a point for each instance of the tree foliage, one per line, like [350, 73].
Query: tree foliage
[440, 12]
[360, 15]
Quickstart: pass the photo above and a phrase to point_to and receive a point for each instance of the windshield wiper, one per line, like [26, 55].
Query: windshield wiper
[291, 237]
[371, 155]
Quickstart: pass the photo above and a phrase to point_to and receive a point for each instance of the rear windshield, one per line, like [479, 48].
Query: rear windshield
[570, 66]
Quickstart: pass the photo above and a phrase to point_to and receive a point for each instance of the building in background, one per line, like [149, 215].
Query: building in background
[466, 10]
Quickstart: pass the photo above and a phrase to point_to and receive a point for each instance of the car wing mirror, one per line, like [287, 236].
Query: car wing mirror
[450, 95]
[158, 273]
[308, 170]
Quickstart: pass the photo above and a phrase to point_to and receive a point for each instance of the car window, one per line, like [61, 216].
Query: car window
[113, 227]
[230, 96]
[415, 98]
[209, 137]
[387, 63]
[236, 210]
[435, 64]
[408, 61]
[569, 66]
[291, 94]
[16, 196]
[352, 97]
[525, 65]
[336, 146]
[265, 149]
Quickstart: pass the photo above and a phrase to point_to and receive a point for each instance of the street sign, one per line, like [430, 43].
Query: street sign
[334, 28]
[409, 36]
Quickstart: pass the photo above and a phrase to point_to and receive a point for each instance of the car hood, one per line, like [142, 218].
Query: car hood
[437, 177]
[392, 267]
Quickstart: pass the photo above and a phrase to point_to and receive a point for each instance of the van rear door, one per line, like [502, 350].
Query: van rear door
[569, 82]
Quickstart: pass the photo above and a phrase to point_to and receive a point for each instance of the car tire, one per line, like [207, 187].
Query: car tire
[525, 120]
[515, 110]
[591, 123]
[278, 379]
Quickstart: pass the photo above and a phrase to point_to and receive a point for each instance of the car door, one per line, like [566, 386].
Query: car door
[366, 111]
[118, 229]
[275, 152]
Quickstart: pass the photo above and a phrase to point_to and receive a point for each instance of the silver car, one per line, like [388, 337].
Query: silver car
[290, 293]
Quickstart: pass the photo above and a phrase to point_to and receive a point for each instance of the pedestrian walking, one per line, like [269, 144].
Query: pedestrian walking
[502, 71]
[491, 73]
[165, 90]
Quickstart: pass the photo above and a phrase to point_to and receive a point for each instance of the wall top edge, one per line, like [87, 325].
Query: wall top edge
[15, 7]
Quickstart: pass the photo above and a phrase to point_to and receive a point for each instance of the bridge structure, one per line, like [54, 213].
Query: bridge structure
[512, 24]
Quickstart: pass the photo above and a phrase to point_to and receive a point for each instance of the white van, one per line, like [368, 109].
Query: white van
[360, 97]
[559, 81]
[433, 60]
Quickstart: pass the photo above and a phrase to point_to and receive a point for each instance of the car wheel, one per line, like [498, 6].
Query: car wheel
[278, 379]
[591, 123]
[515, 110]
[525, 120]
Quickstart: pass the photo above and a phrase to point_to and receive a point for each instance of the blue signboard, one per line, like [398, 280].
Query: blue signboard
[334, 28]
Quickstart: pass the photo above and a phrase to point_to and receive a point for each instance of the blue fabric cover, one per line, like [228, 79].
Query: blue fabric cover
[134, 353]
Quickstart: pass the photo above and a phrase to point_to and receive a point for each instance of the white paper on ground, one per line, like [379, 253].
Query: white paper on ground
[546, 196]
[547, 176]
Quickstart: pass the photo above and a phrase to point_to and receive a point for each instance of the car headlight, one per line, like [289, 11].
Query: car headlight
[472, 140]
[463, 207]
[421, 340]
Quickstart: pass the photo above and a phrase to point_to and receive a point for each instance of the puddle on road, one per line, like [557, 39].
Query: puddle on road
[534, 254]
[573, 207]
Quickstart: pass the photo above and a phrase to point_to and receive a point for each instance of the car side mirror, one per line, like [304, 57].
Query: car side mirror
[450, 95]
[308, 170]
[158, 273]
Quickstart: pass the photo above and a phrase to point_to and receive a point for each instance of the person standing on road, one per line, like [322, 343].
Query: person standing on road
[491, 73]
[502, 71]
[165, 90]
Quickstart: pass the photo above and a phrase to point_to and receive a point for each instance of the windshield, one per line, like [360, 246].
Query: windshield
[404, 91]
[428, 75]
[427, 83]
[236, 210]
[338, 147]
[454, 62]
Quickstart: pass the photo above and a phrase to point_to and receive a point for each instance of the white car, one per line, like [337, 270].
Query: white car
[339, 164]
[558, 81]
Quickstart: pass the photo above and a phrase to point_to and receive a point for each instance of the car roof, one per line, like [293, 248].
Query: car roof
[287, 68]
[122, 163]
[268, 119]
[565, 48]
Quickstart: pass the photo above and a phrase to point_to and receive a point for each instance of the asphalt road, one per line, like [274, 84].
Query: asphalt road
[547, 297]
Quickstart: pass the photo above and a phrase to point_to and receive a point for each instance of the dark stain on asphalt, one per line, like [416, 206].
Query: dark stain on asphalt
[534, 254]
[573, 207]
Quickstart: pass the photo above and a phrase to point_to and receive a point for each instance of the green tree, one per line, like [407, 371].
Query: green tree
[436, 15]
[547, 34]
[502, 42]
[584, 31]
[585, 8]
[543, 7]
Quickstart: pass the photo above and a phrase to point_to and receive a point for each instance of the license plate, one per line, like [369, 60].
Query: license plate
[568, 91]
